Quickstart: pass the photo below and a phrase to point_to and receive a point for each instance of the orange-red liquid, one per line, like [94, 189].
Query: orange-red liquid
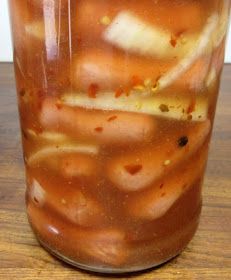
[115, 148]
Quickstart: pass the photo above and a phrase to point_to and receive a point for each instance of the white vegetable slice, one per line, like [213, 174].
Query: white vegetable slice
[37, 193]
[204, 45]
[48, 135]
[55, 150]
[223, 24]
[175, 108]
[211, 78]
[130, 33]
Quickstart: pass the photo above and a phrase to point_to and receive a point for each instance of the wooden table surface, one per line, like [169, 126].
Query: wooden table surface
[208, 255]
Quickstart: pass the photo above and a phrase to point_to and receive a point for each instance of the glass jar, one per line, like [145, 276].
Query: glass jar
[116, 102]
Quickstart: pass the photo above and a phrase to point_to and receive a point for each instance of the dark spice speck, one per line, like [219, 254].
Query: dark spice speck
[183, 141]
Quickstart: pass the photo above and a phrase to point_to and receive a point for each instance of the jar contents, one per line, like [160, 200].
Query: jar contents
[116, 101]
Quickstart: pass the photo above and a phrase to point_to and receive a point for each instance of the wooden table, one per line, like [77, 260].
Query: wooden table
[208, 256]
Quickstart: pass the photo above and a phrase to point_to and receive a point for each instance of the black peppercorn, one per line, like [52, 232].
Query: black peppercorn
[183, 141]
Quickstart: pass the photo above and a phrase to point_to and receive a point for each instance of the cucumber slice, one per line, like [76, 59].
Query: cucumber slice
[130, 33]
[169, 107]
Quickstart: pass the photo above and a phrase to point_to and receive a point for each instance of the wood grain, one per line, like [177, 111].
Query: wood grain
[208, 256]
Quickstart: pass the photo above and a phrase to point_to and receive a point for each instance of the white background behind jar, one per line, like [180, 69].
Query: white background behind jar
[5, 37]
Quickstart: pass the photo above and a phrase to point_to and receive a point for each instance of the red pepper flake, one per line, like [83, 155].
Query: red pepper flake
[35, 200]
[99, 129]
[180, 32]
[41, 94]
[133, 168]
[128, 92]
[189, 117]
[173, 41]
[22, 92]
[163, 194]
[192, 106]
[58, 106]
[66, 163]
[112, 118]
[184, 186]
[136, 81]
[38, 129]
[161, 186]
[119, 92]
[92, 90]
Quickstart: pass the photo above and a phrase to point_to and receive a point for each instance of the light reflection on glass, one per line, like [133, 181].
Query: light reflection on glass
[50, 29]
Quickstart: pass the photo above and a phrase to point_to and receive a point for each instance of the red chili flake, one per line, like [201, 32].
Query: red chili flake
[163, 194]
[99, 129]
[180, 32]
[161, 186]
[66, 163]
[173, 41]
[189, 117]
[58, 106]
[38, 129]
[22, 92]
[133, 168]
[191, 106]
[41, 94]
[136, 81]
[184, 186]
[119, 92]
[112, 118]
[128, 92]
[92, 90]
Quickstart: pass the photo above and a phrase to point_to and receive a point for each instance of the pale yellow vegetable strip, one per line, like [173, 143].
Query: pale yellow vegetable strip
[54, 150]
[48, 135]
[149, 105]
[129, 32]
[223, 24]
[187, 62]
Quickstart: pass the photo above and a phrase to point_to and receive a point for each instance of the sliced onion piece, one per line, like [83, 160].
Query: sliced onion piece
[169, 107]
[223, 24]
[129, 32]
[37, 193]
[203, 46]
[55, 150]
[48, 135]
